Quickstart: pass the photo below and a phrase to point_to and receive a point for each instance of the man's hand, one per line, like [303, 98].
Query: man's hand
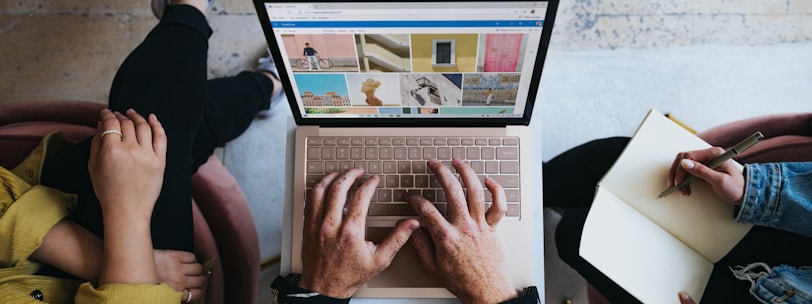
[181, 270]
[336, 258]
[464, 251]
[726, 180]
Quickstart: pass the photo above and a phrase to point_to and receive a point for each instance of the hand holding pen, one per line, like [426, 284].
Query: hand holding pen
[724, 177]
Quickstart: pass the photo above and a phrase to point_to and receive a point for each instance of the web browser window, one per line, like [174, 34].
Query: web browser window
[418, 59]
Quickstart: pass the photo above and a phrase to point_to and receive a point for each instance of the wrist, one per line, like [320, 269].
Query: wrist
[325, 288]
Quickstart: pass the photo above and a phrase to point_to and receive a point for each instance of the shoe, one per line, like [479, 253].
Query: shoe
[266, 64]
[159, 5]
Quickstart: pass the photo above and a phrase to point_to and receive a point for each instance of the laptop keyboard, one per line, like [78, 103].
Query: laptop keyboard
[401, 164]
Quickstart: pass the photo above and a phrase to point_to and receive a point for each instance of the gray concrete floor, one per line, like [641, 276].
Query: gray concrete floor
[707, 62]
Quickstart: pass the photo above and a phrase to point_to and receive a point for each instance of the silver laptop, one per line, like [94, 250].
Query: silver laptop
[388, 85]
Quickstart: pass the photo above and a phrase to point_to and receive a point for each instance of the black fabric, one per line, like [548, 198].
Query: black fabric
[167, 75]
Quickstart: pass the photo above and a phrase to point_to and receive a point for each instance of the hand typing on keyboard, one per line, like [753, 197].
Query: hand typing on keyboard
[337, 259]
[460, 248]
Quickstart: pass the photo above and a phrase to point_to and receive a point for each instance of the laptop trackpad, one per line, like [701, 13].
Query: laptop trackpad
[405, 270]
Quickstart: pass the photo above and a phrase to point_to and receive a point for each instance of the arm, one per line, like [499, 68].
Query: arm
[775, 195]
[778, 195]
[127, 173]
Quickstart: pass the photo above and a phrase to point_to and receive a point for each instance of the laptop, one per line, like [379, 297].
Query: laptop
[388, 85]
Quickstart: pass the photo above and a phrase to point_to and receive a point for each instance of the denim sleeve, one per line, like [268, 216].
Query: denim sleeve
[778, 195]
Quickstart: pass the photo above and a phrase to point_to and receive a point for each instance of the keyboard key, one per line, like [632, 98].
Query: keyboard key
[315, 167]
[404, 167]
[419, 166]
[492, 167]
[328, 153]
[342, 153]
[509, 167]
[313, 153]
[392, 181]
[314, 141]
[472, 153]
[487, 153]
[507, 153]
[385, 153]
[513, 210]
[506, 181]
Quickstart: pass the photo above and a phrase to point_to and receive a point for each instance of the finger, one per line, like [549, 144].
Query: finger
[476, 197]
[390, 246]
[185, 256]
[197, 281]
[337, 198]
[695, 157]
[192, 269]
[425, 250]
[127, 128]
[499, 207]
[197, 294]
[109, 122]
[428, 213]
[684, 298]
[314, 206]
[453, 190]
[143, 131]
[158, 136]
[357, 212]
[703, 172]
[672, 171]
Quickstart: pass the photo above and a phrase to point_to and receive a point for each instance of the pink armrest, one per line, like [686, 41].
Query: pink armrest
[225, 207]
[788, 137]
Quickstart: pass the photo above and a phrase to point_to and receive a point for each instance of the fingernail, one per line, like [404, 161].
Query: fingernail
[687, 164]
[684, 295]
[434, 161]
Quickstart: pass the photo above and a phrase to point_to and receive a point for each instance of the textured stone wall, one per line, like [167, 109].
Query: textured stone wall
[609, 24]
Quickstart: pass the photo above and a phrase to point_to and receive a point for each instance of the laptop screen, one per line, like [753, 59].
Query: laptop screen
[418, 61]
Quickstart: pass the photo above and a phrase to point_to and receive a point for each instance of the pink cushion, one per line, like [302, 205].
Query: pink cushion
[225, 207]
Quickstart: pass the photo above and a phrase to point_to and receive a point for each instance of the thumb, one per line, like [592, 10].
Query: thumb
[390, 246]
[424, 248]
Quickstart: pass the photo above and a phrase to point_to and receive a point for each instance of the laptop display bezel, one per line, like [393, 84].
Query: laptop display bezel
[549, 19]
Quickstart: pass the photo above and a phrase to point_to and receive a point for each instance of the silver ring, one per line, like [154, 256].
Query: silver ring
[188, 295]
[105, 132]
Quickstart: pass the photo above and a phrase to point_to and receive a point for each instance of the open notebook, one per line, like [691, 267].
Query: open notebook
[655, 248]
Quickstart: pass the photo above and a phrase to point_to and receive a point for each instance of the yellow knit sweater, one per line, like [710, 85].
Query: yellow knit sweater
[28, 211]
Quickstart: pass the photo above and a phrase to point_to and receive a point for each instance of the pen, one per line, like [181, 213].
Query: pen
[738, 148]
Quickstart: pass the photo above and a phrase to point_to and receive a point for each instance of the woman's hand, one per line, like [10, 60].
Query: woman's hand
[127, 160]
[727, 181]
[127, 168]
[181, 270]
